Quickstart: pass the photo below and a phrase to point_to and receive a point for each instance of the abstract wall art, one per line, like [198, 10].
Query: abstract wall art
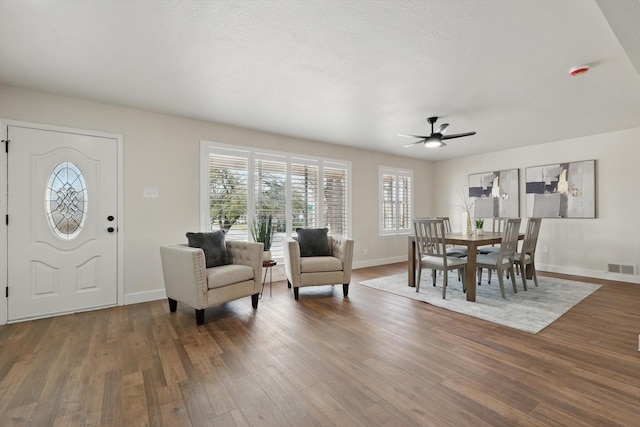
[563, 190]
[495, 194]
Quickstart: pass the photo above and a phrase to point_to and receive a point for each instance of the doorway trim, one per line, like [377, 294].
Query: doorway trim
[4, 123]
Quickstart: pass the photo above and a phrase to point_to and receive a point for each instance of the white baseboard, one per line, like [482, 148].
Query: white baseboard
[379, 261]
[138, 297]
[596, 274]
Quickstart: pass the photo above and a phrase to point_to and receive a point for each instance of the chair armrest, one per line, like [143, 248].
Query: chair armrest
[247, 253]
[342, 248]
[185, 275]
[292, 261]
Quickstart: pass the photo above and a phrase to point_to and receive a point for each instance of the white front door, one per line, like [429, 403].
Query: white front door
[62, 228]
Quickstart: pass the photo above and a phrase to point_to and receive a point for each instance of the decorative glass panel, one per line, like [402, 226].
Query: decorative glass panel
[66, 200]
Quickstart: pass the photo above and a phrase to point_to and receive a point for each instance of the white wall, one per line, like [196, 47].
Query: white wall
[576, 246]
[162, 151]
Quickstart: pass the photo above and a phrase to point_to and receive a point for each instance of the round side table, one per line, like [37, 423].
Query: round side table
[268, 266]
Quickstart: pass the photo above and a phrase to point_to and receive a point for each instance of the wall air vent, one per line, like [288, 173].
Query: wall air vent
[622, 269]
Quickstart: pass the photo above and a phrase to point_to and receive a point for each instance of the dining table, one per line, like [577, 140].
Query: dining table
[472, 242]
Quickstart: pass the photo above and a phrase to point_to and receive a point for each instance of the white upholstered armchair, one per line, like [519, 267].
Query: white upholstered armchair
[186, 278]
[330, 269]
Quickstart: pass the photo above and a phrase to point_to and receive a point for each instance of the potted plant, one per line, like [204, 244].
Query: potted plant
[262, 232]
[479, 224]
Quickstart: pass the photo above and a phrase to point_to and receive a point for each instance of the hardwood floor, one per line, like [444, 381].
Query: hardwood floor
[373, 359]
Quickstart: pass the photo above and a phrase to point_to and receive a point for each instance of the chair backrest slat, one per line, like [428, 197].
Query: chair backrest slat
[429, 235]
[498, 224]
[531, 235]
[447, 224]
[509, 243]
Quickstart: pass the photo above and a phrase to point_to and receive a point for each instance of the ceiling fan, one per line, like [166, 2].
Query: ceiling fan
[437, 135]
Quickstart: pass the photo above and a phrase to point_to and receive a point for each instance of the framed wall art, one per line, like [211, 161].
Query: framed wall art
[562, 190]
[495, 194]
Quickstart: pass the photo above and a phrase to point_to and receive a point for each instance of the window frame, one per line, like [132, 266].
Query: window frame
[253, 154]
[396, 173]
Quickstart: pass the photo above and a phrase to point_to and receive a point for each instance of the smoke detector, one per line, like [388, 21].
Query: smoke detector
[577, 71]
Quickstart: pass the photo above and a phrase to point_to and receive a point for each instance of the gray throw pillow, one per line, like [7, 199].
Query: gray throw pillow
[213, 245]
[313, 241]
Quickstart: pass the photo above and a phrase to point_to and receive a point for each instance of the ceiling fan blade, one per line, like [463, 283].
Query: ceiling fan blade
[413, 136]
[458, 135]
[442, 128]
[415, 143]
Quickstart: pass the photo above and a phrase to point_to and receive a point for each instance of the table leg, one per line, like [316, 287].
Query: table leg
[470, 279]
[528, 271]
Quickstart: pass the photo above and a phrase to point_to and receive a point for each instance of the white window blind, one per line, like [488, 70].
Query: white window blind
[304, 195]
[228, 189]
[270, 180]
[396, 209]
[298, 191]
[336, 199]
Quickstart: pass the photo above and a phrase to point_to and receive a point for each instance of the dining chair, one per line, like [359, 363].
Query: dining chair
[455, 251]
[497, 226]
[432, 252]
[527, 254]
[503, 260]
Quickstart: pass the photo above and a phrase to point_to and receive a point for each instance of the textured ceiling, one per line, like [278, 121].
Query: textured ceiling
[352, 72]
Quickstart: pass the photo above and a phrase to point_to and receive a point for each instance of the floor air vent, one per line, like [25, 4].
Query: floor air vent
[621, 269]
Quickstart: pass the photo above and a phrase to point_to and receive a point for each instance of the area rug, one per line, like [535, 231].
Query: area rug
[529, 311]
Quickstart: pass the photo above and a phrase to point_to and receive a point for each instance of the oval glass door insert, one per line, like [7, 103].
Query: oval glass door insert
[66, 200]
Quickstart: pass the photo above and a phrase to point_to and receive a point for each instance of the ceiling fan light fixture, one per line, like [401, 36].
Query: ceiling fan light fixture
[433, 143]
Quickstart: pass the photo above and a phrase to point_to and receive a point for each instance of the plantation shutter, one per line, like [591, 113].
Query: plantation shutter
[404, 203]
[396, 210]
[388, 202]
[270, 177]
[228, 194]
[336, 200]
[304, 195]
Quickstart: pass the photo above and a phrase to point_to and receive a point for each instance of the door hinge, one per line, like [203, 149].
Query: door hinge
[6, 144]
[7, 292]
[7, 219]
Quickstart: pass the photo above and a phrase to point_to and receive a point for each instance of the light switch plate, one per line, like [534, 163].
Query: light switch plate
[150, 193]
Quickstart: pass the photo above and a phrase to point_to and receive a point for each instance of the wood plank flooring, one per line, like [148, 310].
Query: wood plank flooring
[373, 359]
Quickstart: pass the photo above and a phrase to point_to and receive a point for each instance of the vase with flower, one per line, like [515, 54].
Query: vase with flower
[466, 206]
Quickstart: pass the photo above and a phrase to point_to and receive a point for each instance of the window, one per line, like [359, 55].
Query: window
[66, 200]
[296, 191]
[396, 207]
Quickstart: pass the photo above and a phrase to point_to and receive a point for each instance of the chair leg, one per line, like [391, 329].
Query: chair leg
[513, 278]
[288, 284]
[501, 281]
[521, 268]
[345, 289]
[295, 293]
[479, 276]
[464, 274]
[445, 277]
[200, 316]
[533, 272]
[173, 305]
[254, 300]
[418, 280]
[489, 276]
[434, 276]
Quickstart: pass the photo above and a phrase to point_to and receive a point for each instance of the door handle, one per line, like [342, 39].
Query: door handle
[111, 229]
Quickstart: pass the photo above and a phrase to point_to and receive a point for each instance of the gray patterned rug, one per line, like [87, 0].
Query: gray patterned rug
[529, 311]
